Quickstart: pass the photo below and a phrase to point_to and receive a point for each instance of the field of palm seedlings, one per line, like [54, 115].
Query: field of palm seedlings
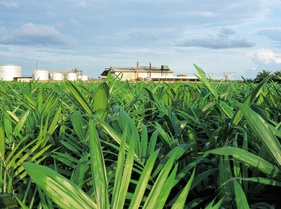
[115, 144]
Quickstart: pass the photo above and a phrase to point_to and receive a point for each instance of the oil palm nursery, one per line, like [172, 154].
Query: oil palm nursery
[119, 144]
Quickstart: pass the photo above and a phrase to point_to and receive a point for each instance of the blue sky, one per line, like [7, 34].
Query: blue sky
[220, 36]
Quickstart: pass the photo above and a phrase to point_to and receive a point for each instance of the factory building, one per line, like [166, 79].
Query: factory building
[146, 73]
[138, 73]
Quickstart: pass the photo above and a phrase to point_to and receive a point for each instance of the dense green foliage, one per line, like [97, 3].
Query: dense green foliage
[276, 76]
[117, 144]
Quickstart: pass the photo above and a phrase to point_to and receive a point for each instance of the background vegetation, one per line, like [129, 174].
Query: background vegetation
[276, 76]
[118, 144]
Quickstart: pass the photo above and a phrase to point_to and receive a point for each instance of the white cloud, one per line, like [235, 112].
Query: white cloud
[81, 4]
[202, 14]
[3, 31]
[34, 34]
[173, 32]
[9, 4]
[222, 40]
[51, 14]
[74, 22]
[266, 56]
[273, 34]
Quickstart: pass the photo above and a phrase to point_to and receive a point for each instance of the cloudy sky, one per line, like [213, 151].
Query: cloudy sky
[241, 37]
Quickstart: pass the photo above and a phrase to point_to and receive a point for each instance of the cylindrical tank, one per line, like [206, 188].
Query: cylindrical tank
[41, 75]
[72, 76]
[147, 79]
[9, 72]
[84, 78]
[58, 76]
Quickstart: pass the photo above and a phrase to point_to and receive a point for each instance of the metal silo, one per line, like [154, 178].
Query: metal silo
[84, 78]
[72, 76]
[9, 72]
[58, 76]
[41, 75]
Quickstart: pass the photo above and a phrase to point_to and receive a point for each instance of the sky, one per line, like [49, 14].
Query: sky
[235, 38]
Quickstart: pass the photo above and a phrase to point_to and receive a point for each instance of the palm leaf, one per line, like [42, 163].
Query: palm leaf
[62, 191]
[216, 206]
[78, 97]
[158, 185]
[240, 197]
[250, 99]
[99, 175]
[180, 202]
[248, 159]
[261, 180]
[143, 181]
[8, 201]
[263, 131]
[123, 172]
[101, 99]
[2, 144]
[202, 77]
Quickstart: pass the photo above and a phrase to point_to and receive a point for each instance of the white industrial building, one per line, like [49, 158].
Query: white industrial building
[138, 73]
[147, 73]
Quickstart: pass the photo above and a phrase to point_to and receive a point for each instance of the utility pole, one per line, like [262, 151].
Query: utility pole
[137, 69]
[225, 76]
[229, 75]
[150, 69]
[233, 76]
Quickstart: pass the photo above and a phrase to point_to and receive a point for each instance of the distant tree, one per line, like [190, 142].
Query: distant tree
[277, 76]
[262, 75]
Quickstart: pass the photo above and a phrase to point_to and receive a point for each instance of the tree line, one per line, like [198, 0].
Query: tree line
[276, 76]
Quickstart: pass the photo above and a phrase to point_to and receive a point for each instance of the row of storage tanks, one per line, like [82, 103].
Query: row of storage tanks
[45, 75]
[10, 72]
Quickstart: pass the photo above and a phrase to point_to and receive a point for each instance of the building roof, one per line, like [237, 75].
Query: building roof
[141, 69]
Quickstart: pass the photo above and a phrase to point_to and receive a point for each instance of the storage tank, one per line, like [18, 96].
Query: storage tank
[58, 76]
[72, 76]
[84, 77]
[41, 75]
[9, 72]
[147, 79]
